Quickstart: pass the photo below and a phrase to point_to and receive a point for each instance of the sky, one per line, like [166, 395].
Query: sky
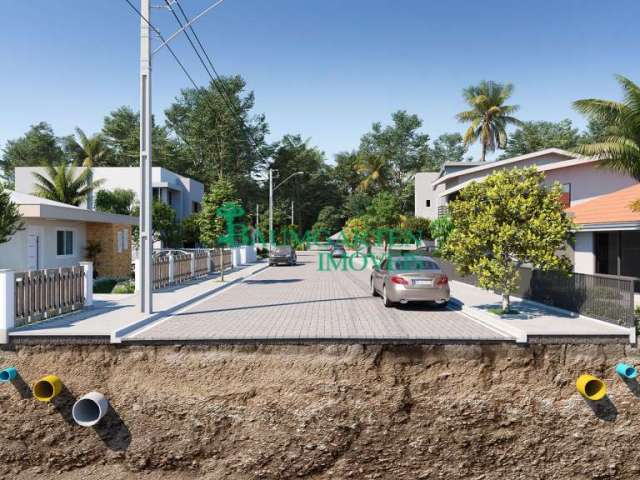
[324, 69]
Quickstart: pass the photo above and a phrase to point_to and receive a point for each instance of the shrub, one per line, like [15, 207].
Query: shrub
[104, 285]
[126, 286]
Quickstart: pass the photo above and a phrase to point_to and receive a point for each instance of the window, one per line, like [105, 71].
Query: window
[565, 196]
[428, 203]
[195, 207]
[64, 242]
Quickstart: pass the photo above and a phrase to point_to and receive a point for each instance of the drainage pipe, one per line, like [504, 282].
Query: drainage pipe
[626, 371]
[591, 387]
[90, 409]
[8, 374]
[47, 388]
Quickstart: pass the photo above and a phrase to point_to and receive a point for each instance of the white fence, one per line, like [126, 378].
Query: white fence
[42, 294]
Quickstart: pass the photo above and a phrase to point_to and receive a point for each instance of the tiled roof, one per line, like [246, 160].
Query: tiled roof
[610, 208]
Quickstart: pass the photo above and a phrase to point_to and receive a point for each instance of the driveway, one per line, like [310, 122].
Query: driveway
[303, 304]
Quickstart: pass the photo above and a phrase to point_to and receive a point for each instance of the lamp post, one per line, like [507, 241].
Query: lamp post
[271, 190]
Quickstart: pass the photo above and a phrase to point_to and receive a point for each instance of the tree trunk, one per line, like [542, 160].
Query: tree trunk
[484, 151]
[506, 303]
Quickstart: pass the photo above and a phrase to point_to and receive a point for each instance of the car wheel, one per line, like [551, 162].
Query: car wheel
[374, 293]
[442, 305]
[385, 300]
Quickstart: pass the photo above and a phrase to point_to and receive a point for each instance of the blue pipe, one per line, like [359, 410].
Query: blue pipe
[8, 374]
[626, 371]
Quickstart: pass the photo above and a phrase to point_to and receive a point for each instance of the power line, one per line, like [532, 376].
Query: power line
[219, 84]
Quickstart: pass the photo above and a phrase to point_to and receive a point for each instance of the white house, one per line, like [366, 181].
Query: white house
[608, 237]
[182, 193]
[55, 235]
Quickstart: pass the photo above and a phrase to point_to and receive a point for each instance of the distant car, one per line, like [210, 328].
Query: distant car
[338, 251]
[410, 279]
[284, 255]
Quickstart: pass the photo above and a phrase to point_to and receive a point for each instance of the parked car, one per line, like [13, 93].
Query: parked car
[410, 279]
[338, 251]
[283, 255]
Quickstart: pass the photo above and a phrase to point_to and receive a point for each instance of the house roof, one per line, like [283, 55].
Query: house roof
[500, 163]
[610, 210]
[31, 206]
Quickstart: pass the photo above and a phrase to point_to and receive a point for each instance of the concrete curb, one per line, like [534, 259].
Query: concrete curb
[491, 323]
[118, 335]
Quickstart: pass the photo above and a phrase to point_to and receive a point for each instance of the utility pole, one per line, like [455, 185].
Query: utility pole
[270, 209]
[291, 212]
[146, 234]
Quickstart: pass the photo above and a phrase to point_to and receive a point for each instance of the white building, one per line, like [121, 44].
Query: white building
[608, 238]
[182, 193]
[55, 235]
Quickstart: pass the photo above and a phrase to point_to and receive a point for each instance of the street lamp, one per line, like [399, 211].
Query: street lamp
[271, 190]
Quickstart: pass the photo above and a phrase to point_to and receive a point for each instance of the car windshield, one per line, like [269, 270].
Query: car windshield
[412, 265]
[283, 250]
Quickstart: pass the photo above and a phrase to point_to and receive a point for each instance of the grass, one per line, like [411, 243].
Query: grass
[499, 311]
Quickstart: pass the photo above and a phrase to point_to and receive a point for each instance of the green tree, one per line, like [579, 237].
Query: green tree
[394, 153]
[61, 184]
[212, 226]
[38, 147]
[346, 172]
[190, 230]
[121, 137]
[84, 150]
[356, 205]
[509, 219]
[414, 229]
[489, 116]
[10, 218]
[214, 142]
[329, 220]
[448, 147]
[311, 191]
[440, 229]
[619, 146]
[163, 223]
[374, 170]
[383, 217]
[119, 200]
[535, 136]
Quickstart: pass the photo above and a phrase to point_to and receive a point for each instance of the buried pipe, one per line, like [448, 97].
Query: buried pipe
[8, 375]
[47, 388]
[591, 387]
[90, 409]
[626, 371]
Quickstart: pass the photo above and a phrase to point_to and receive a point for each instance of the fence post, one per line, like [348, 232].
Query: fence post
[88, 283]
[8, 310]
[137, 274]
[209, 266]
[171, 268]
[193, 264]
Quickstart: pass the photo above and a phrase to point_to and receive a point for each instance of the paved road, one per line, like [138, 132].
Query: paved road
[301, 303]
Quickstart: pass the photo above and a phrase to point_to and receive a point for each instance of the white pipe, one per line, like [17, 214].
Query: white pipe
[90, 409]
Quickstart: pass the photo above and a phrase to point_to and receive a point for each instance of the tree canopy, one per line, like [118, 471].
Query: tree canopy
[10, 218]
[509, 219]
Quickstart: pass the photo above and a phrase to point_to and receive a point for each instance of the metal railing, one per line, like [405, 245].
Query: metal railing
[605, 297]
[42, 294]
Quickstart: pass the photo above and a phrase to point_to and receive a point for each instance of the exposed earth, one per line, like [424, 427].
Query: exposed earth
[321, 412]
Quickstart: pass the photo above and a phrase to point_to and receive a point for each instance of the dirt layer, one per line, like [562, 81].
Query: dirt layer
[321, 412]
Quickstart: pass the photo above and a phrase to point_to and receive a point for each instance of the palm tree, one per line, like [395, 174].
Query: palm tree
[62, 185]
[374, 169]
[620, 146]
[489, 116]
[90, 149]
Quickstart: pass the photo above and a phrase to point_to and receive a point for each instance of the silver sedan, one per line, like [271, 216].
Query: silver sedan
[410, 279]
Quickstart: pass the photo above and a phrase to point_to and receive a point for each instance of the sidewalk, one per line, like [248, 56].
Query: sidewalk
[535, 322]
[113, 316]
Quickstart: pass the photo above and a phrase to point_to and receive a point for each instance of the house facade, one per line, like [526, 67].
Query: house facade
[56, 235]
[604, 240]
[183, 194]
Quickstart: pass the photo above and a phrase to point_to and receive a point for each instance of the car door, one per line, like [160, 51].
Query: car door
[379, 275]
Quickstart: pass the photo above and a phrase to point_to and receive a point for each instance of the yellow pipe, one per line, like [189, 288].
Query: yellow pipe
[47, 388]
[591, 387]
